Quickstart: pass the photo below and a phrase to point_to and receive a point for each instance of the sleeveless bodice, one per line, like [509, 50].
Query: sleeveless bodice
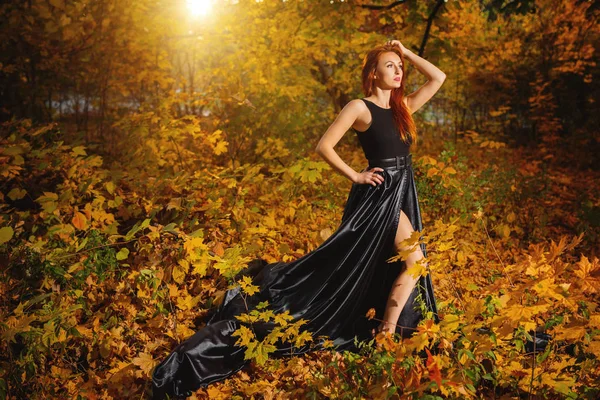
[381, 139]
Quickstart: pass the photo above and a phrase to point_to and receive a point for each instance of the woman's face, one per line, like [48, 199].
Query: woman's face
[389, 71]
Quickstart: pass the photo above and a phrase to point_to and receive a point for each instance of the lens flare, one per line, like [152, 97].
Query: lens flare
[198, 7]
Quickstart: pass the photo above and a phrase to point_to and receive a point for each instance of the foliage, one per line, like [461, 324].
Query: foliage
[106, 272]
[147, 157]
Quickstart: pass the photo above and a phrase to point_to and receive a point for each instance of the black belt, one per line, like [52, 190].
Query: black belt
[398, 162]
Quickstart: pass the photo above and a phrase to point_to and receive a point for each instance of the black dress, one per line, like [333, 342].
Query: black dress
[332, 286]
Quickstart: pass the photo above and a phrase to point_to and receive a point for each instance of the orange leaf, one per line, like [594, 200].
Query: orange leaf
[434, 369]
[371, 313]
[79, 221]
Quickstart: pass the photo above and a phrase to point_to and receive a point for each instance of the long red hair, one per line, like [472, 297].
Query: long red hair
[402, 118]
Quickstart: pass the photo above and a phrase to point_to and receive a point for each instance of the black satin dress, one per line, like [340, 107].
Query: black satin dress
[332, 286]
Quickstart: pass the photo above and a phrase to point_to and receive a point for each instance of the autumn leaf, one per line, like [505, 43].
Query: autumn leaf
[122, 254]
[302, 338]
[17, 193]
[434, 369]
[245, 335]
[79, 221]
[259, 351]
[371, 313]
[79, 151]
[145, 362]
[180, 270]
[6, 233]
[221, 147]
[247, 286]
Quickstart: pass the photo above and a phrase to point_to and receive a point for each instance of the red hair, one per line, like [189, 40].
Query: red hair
[402, 118]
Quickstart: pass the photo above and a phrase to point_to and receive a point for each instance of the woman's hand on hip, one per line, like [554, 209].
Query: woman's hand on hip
[370, 177]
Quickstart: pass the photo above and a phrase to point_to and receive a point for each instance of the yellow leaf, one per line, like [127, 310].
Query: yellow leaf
[183, 332]
[180, 270]
[221, 147]
[450, 323]
[245, 335]
[199, 268]
[145, 362]
[283, 318]
[110, 187]
[417, 269]
[247, 286]
[219, 393]
[418, 342]
[428, 160]
[573, 333]
[302, 338]
[187, 302]
[16, 194]
[79, 151]
[449, 170]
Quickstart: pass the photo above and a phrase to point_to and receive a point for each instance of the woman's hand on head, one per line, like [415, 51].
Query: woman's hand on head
[396, 43]
[370, 177]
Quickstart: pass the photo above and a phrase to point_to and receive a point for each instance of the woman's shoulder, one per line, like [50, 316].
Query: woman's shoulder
[358, 104]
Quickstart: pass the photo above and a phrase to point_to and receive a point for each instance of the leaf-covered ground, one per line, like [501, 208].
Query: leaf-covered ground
[105, 268]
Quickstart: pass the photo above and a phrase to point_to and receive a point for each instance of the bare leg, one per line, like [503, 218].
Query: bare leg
[404, 283]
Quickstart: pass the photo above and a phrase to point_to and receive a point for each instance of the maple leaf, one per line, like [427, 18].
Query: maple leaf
[145, 362]
[302, 338]
[584, 272]
[245, 335]
[187, 302]
[450, 323]
[283, 318]
[259, 351]
[247, 286]
[434, 369]
[221, 147]
[418, 342]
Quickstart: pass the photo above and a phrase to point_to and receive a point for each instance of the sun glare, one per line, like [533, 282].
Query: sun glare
[198, 7]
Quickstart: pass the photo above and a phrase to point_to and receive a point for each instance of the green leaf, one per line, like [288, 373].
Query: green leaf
[541, 357]
[16, 194]
[197, 233]
[170, 227]
[110, 187]
[14, 150]
[6, 233]
[123, 253]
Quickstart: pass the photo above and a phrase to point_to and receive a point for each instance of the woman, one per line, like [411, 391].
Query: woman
[334, 286]
[375, 121]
